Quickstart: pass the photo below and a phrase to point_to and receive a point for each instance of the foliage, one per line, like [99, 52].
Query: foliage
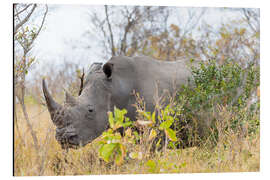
[215, 85]
[165, 121]
[112, 144]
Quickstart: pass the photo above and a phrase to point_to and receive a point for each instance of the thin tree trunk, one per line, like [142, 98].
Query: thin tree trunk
[21, 100]
[110, 29]
[29, 125]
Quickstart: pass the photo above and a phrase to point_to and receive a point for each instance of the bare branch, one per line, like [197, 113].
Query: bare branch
[110, 29]
[130, 24]
[22, 10]
[40, 27]
[248, 15]
[25, 19]
[42, 23]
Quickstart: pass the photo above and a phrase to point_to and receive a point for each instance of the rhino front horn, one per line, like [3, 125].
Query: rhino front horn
[51, 104]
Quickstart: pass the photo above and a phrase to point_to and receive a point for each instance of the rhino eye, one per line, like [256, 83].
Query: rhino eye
[90, 108]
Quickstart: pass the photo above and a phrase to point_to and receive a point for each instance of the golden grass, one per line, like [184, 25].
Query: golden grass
[232, 154]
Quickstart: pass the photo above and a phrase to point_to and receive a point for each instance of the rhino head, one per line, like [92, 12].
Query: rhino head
[80, 120]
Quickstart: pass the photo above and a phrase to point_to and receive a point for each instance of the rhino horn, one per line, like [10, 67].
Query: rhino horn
[70, 100]
[51, 104]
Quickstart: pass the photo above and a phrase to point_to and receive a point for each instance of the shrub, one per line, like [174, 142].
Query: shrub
[139, 139]
[212, 86]
[112, 144]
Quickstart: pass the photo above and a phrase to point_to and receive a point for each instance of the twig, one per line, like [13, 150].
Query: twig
[42, 23]
[22, 10]
[81, 78]
[247, 16]
[25, 19]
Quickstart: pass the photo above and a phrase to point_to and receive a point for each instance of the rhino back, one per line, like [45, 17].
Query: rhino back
[149, 70]
[160, 77]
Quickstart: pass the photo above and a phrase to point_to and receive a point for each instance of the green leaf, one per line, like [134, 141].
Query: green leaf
[151, 165]
[147, 115]
[121, 152]
[127, 124]
[162, 112]
[184, 164]
[152, 135]
[118, 124]
[127, 119]
[116, 114]
[154, 117]
[119, 114]
[167, 110]
[106, 151]
[166, 124]
[136, 135]
[111, 119]
[171, 134]
[159, 119]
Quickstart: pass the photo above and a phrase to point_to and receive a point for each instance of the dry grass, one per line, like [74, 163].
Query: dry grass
[233, 153]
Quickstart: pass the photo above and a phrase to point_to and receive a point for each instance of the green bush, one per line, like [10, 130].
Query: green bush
[212, 86]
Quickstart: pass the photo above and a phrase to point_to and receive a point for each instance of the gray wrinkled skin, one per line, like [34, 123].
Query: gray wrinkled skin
[84, 118]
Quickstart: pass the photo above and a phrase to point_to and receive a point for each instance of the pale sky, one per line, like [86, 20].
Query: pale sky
[63, 24]
[66, 24]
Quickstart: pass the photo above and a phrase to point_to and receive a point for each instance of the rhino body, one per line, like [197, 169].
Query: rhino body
[84, 118]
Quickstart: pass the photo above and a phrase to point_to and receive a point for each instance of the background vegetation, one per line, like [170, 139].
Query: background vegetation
[224, 94]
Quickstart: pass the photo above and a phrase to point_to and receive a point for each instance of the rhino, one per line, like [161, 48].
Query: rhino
[82, 119]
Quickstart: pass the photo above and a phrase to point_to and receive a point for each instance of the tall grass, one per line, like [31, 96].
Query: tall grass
[235, 151]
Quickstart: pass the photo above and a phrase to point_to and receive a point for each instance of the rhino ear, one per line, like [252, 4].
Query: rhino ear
[70, 100]
[108, 69]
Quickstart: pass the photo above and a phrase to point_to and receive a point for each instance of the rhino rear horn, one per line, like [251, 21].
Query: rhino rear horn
[70, 100]
[51, 104]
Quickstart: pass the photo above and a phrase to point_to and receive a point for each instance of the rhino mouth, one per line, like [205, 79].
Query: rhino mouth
[67, 139]
[68, 142]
